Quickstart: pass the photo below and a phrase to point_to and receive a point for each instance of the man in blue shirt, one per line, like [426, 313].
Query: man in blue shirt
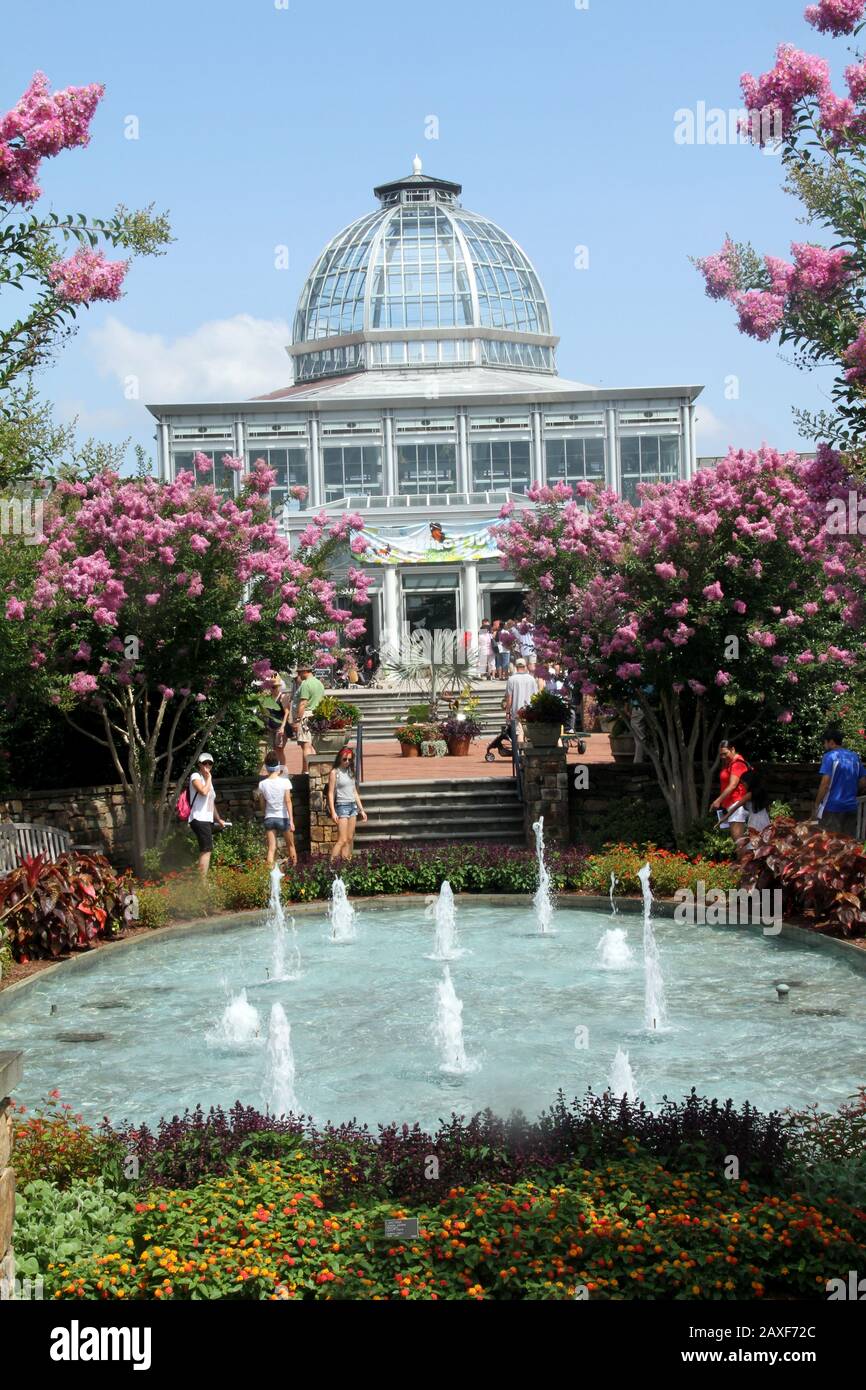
[842, 773]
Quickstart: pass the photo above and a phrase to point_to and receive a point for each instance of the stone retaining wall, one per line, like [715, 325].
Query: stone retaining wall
[10, 1076]
[99, 815]
[611, 784]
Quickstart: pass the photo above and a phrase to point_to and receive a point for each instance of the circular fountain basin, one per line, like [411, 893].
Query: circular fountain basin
[539, 1013]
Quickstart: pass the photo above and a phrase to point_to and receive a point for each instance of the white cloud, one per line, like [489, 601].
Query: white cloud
[92, 420]
[227, 359]
[712, 434]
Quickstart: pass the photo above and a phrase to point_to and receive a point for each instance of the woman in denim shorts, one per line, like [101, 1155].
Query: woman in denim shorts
[344, 804]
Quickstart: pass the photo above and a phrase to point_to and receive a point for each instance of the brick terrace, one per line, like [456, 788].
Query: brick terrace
[383, 761]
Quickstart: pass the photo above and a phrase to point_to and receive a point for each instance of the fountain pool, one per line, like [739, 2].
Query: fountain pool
[363, 1017]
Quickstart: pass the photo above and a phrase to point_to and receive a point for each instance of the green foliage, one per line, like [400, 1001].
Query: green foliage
[419, 714]
[622, 819]
[235, 742]
[670, 871]
[333, 713]
[240, 844]
[415, 734]
[57, 1226]
[546, 708]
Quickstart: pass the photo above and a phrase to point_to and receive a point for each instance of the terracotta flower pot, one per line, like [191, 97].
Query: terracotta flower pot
[459, 747]
[410, 750]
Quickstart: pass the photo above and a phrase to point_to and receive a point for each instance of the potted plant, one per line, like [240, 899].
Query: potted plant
[458, 731]
[543, 719]
[622, 744]
[410, 738]
[332, 724]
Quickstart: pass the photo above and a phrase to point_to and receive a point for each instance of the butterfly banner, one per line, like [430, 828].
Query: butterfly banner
[430, 542]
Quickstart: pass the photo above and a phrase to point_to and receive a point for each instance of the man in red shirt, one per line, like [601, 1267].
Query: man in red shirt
[729, 805]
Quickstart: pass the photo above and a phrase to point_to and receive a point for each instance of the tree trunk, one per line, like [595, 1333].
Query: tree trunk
[687, 789]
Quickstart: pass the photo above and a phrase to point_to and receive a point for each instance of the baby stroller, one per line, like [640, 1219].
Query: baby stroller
[502, 744]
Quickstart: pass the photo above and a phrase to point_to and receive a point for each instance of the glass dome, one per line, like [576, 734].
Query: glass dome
[421, 281]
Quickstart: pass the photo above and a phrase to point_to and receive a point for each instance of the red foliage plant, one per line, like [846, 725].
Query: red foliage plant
[49, 909]
[822, 875]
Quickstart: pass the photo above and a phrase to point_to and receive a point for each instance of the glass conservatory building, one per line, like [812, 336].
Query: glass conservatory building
[424, 396]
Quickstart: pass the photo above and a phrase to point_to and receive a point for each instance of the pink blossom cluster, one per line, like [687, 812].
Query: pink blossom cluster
[817, 271]
[836, 16]
[648, 594]
[855, 357]
[797, 75]
[118, 550]
[759, 313]
[720, 271]
[87, 276]
[40, 125]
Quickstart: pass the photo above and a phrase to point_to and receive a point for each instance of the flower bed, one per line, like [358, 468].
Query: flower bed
[597, 1196]
[476, 868]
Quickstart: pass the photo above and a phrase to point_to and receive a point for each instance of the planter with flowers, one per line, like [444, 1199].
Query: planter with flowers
[543, 719]
[333, 724]
[458, 732]
[410, 737]
[622, 743]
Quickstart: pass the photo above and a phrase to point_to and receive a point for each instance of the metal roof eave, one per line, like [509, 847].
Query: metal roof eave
[294, 404]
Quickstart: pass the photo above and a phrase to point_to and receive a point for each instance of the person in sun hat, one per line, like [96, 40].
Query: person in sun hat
[308, 696]
[203, 814]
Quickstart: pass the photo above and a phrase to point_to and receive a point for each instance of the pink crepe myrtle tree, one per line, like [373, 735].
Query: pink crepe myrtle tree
[727, 593]
[815, 298]
[157, 605]
[55, 263]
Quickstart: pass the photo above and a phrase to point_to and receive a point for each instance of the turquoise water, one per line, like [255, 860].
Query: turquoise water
[362, 1017]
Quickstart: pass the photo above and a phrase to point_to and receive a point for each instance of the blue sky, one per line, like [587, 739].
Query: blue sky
[262, 126]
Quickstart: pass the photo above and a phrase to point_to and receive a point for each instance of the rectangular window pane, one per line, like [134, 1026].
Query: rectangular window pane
[554, 450]
[629, 449]
[594, 450]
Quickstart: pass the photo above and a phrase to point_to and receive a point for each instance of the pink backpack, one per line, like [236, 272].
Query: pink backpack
[183, 808]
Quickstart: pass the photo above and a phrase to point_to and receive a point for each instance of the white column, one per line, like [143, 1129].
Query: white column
[240, 452]
[611, 467]
[693, 439]
[164, 461]
[469, 607]
[390, 478]
[392, 628]
[317, 482]
[464, 463]
[538, 468]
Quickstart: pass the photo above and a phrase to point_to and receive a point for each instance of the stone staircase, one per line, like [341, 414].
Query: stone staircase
[383, 710]
[424, 813]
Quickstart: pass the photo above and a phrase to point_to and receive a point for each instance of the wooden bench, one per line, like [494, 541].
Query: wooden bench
[22, 840]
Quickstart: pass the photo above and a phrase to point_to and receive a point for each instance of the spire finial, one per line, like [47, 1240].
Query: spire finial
[416, 165]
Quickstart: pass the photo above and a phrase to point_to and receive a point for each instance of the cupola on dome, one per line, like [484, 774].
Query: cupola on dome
[421, 282]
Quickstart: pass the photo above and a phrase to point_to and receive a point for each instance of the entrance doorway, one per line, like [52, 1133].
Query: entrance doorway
[506, 605]
[431, 611]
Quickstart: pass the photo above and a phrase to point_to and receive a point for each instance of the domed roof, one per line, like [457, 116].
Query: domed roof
[421, 282]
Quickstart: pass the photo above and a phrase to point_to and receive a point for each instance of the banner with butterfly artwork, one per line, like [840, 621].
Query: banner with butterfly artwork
[430, 542]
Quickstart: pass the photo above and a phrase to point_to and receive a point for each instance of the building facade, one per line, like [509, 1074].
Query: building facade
[425, 396]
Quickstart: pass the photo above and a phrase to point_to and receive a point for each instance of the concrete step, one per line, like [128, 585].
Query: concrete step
[394, 820]
[432, 810]
[365, 835]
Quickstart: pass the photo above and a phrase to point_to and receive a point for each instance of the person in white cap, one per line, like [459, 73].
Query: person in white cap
[202, 810]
